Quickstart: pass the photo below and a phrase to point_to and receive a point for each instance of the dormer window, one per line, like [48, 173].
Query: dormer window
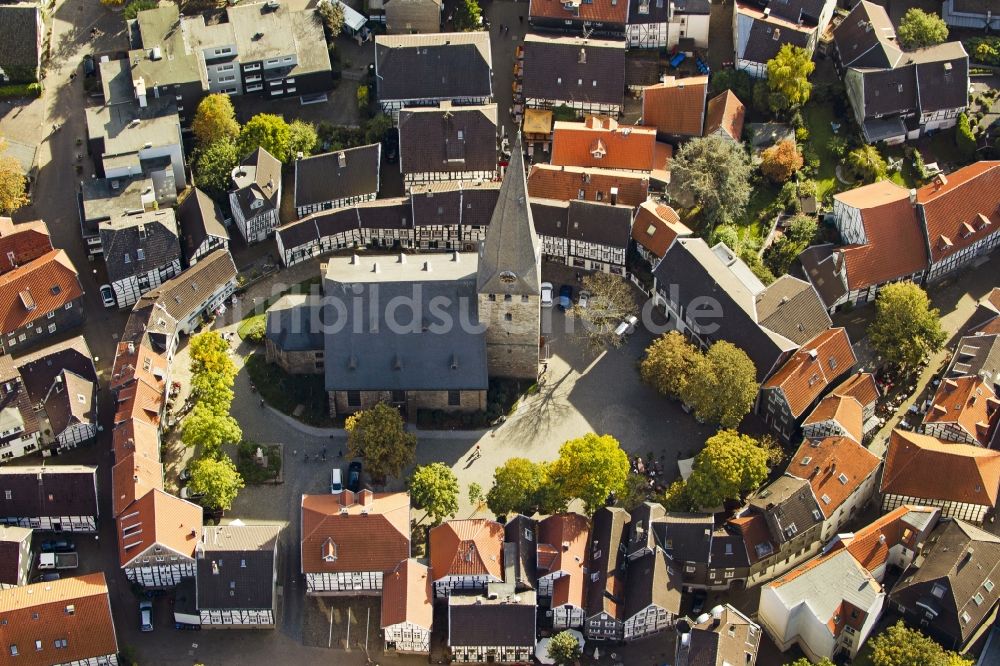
[256, 204]
[598, 150]
[329, 551]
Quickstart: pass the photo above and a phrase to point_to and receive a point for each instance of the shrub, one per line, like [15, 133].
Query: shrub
[21, 90]
[363, 98]
[255, 332]
[133, 8]
[964, 139]
[802, 134]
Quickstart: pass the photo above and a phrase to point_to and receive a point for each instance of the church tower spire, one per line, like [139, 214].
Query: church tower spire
[509, 279]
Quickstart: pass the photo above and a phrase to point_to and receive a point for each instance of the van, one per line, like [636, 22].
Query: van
[336, 484]
[627, 327]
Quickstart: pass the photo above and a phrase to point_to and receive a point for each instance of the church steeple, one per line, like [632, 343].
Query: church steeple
[510, 257]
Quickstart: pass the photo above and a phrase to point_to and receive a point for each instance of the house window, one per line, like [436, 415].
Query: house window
[399, 396]
[978, 599]
[354, 398]
[128, 259]
[52, 328]
[524, 298]
[60, 644]
[938, 590]
[492, 297]
[508, 317]
[454, 398]
[140, 254]
[38, 646]
[528, 536]
[507, 298]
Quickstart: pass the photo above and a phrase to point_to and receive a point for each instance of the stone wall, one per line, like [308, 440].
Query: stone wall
[512, 335]
[294, 362]
[471, 401]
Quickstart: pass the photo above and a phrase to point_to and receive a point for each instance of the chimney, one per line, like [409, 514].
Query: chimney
[346, 498]
[940, 180]
[913, 197]
[366, 498]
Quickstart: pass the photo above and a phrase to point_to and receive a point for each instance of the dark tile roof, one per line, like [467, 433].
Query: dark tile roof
[53, 490]
[762, 45]
[342, 174]
[62, 378]
[605, 593]
[478, 202]
[236, 566]
[729, 551]
[789, 506]
[385, 214]
[435, 207]
[448, 139]
[11, 539]
[199, 218]
[822, 265]
[640, 529]
[259, 179]
[595, 11]
[866, 38]
[686, 537]
[889, 91]
[19, 29]
[550, 217]
[293, 323]
[491, 622]
[153, 233]
[444, 65]
[600, 223]
[573, 69]
[790, 307]
[523, 533]
[961, 559]
[649, 581]
[182, 296]
[942, 76]
[648, 11]
[977, 355]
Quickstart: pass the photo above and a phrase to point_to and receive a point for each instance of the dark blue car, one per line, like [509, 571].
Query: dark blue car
[565, 301]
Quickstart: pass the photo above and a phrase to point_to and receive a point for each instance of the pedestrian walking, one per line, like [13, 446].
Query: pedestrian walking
[477, 453]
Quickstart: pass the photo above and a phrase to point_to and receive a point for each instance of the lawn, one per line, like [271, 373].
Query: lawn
[286, 392]
[818, 118]
[259, 311]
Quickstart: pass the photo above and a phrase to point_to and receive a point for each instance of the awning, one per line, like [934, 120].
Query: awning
[537, 121]
[883, 129]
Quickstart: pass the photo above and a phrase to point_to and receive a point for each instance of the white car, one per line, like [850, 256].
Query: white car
[546, 294]
[583, 299]
[108, 296]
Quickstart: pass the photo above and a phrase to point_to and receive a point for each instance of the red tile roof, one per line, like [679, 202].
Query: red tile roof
[162, 519]
[871, 544]
[599, 142]
[141, 401]
[725, 112]
[27, 241]
[37, 288]
[600, 11]
[136, 361]
[860, 386]
[895, 246]
[921, 466]
[131, 478]
[961, 208]
[756, 535]
[467, 548]
[835, 467]
[408, 596]
[136, 436]
[74, 609]
[369, 531]
[563, 183]
[805, 376]
[567, 535]
[845, 410]
[676, 106]
[967, 402]
[656, 226]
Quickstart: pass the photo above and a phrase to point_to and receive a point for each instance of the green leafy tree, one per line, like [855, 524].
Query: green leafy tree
[918, 29]
[781, 161]
[590, 468]
[906, 328]
[717, 173]
[209, 353]
[434, 488]
[799, 235]
[736, 80]
[667, 363]
[213, 167]
[729, 466]
[964, 139]
[611, 301]
[377, 127]
[12, 185]
[475, 494]
[901, 646]
[302, 139]
[788, 78]
[637, 491]
[218, 480]
[564, 649]
[379, 436]
[363, 99]
[215, 120]
[333, 17]
[133, 8]
[522, 486]
[867, 164]
[721, 385]
[803, 661]
[267, 131]
[468, 15]
[206, 428]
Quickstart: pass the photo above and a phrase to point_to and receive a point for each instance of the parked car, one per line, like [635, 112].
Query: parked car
[627, 327]
[188, 494]
[46, 577]
[89, 69]
[354, 476]
[145, 616]
[185, 474]
[583, 300]
[108, 296]
[336, 481]
[58, 546]
[546, 294]
[565, 297]
[698, 602]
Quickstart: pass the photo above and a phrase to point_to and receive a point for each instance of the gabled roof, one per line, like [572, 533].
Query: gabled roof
[562, 546]
[846, 411]
[188, 293]
[73, 609]
[656, 226]
[521, 532]
[598, 11]
[606, 584]
[986, 320]
[572, 69]
[471, 547]
[408, 596]
[903, 526]
[961, 208]
[49, 490]
[977, 355]
[158, 520]
[967, 403]
[767, 33]
[136, 244]
[835, 467]
[448, 65]
[20, 28]
[895, 247]
[811, 370]
[199, 218]
[139, 400]
[926, 467]
[956, 580]
[447, 139]
[41, 286]
[27, 241]
[257, 178]
[236, 566]
[131, 478]
[138, 437]
[676, 106]
[685, 537]
[725, 112]
[564, 183]
[355, 532]
[481, 621]
[866, 37]
[511, 244]
[600, 142]
[15, 549]
[640, 534]
[62, 378]
[823, 265]
[861, 386]
[730, 639]
[790, 307]
[789, 506]
[650, 581]
[342, 174]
